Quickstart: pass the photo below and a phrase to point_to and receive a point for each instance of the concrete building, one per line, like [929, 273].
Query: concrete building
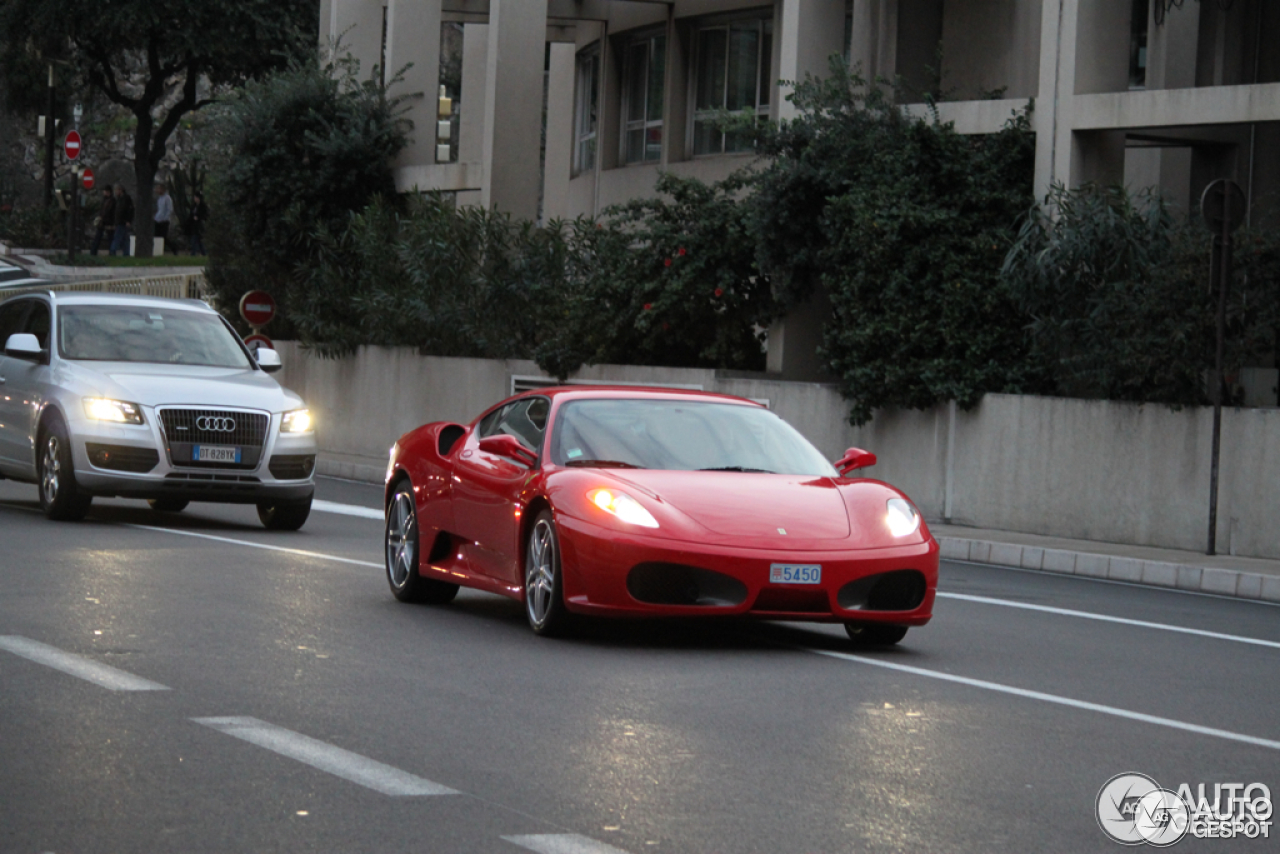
[556, 108]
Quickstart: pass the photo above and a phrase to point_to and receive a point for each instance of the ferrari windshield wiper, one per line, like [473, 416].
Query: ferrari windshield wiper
[739, 468]
[619, 464]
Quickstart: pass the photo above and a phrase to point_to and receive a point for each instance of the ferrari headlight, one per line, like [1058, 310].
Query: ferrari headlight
[297, 421]
[623, 506]
[105, 409]
[901, 517]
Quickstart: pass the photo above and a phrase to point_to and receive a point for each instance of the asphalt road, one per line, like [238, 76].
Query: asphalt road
[291, 704]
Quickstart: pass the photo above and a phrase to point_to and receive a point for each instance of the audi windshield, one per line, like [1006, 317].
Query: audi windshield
[116, 333]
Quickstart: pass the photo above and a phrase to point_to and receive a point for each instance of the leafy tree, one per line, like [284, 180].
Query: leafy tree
[670, 280]
[160, 61]
[905, 222]
[1116, 292]
[301, 151]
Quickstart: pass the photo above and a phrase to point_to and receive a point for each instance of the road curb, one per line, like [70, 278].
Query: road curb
[1176, 576]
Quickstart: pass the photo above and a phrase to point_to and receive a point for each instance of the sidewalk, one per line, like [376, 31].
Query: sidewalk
[1223, 575]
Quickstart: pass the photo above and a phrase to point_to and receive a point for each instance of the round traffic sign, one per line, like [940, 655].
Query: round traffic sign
[71, 145]
[258, 341]
[1223, 200]
[257, 308]
[88, 179]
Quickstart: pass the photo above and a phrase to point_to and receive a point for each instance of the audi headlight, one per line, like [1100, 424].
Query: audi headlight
[623, 506]
[105, 409]
[901, 517]
[297, 421]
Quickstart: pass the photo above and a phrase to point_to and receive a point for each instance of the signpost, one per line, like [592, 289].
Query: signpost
[71, 145]
[1223, 207]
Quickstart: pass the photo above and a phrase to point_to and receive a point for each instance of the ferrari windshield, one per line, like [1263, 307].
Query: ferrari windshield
[685, 435]
[126, 333]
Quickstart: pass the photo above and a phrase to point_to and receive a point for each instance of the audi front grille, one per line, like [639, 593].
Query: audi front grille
[186, 428]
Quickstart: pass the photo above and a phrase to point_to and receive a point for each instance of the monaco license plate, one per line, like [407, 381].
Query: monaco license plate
[215, 454]
[795, 573]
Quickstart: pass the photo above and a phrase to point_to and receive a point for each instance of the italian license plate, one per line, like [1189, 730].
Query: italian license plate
[795, 573]
[215, 454]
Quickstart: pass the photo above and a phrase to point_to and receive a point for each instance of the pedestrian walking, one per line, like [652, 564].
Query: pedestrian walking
[123, 220]
[164, 211]
[105, 221]
[194, 226]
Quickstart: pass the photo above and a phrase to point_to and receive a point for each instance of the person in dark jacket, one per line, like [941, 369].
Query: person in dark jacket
[194, 226]
[124, 221]
[106, 220]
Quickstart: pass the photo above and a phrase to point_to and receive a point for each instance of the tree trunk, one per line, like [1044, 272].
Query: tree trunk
[144, 176]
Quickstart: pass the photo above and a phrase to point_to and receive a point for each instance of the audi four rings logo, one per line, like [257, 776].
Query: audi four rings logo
[215, 424]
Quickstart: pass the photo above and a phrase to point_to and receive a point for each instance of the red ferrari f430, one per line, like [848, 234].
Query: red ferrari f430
[653, 503]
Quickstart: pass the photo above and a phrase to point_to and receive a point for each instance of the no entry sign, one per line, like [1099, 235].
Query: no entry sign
[71, 146]
[257, 308]
[88, 179]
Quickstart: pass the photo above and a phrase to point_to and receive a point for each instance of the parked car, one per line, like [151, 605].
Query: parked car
[652, 502]
[142, 397]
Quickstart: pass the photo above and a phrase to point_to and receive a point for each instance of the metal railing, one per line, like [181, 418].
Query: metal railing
[182, 286]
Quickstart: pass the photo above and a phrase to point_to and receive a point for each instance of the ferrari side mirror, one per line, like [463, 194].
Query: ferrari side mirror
[854, 459]
[505, 445]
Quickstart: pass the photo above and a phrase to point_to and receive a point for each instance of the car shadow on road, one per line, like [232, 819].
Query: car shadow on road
[144, 515]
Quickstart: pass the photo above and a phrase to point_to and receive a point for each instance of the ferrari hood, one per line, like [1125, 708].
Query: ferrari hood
[747, 505]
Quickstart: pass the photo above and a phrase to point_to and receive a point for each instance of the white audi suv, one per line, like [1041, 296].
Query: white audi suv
[142, 397]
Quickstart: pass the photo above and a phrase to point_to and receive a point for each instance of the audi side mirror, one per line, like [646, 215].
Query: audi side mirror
[505, 445]
[854, 459]
[24, 345]
[269, 360]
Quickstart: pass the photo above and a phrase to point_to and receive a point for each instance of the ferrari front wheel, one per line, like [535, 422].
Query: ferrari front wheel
[543, 580]
[875, 634]
[406, 583]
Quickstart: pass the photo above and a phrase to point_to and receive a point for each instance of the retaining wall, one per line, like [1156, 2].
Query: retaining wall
[1096, 470]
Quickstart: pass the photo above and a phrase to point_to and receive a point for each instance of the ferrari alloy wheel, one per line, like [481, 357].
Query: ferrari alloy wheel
[402, 554]
[543, 584]
[59, 496]
[875, 634]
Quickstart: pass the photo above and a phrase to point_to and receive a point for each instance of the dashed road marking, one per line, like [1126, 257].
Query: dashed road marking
[326, 757]
[253, 545]
[562, 843]
[347, 509]
[1124, 621]
[87, 669]
[1054, 698]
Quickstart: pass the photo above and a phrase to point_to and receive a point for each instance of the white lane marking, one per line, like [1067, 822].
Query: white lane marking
[253, 545]
[562, 843]
[77, 665]
[347, 509]
[325, 757]
[1054, 698]
[1124, 621]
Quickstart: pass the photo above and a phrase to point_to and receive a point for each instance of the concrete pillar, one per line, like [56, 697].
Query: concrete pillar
[413, 36]
[475, 64]
[675, 97]
[794, 340]
[513, 106]
[559, 157]
[326, 19]
[358, 23]
[810, 32]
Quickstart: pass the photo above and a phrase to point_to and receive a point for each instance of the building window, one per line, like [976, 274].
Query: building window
[642, 99]
[733, 73]
[1138, 45]
[586, 111]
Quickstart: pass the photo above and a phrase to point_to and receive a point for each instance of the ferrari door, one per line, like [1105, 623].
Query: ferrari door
[486, 495]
